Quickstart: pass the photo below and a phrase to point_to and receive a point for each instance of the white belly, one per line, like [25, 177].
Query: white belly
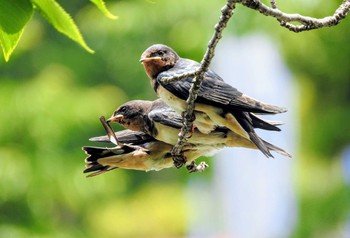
[202, 122]
[174, 102]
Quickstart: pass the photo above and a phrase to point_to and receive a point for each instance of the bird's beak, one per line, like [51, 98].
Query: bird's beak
[147, 59]
[116, 118]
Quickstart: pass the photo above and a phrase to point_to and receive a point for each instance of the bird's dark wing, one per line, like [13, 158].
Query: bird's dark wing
[126, 137]
[166, 117]
[214, 91]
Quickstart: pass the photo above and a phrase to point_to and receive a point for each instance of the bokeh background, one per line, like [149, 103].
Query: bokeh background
[52, 93]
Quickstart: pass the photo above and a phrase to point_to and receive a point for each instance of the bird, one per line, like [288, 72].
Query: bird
[158, 120]
[217, 103]
[139, 151]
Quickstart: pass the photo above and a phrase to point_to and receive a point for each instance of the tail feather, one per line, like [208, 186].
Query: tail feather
[263, 108]
[276, 149]
[97, 169]
[258, 122]
[96, 153]
[266, 147]
[93, 166]
[260, 144]
[247, 123]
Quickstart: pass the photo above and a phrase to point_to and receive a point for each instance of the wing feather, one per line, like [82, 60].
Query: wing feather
[214, 91]
[166, 117]
[126, 137]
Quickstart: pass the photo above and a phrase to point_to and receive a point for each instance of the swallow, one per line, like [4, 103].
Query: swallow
[142, 155]
[159, 121]
[149, 156]
[217, 103]
[139, 151]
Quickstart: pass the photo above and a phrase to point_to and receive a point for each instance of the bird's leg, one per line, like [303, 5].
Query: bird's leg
[193, 118]
[192, 130]
[192, 167]
[179, 160]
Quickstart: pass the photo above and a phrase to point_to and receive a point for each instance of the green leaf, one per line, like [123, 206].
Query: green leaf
[14, 15]
[61, 20]
[101, 5]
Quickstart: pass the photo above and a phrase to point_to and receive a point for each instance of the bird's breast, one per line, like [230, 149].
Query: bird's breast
[167, 134]
[177, 104]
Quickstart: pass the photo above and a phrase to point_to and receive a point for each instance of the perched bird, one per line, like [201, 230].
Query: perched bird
[139, 151]
[158, 120]
[217, 103]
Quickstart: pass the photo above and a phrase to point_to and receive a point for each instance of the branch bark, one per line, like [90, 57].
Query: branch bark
[305, 23]
[286, 20]
[188, 116]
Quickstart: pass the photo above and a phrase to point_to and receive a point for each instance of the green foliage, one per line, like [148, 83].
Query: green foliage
[101, 5]
[52, 95]
[42, 161]
[319, 63]
[63, 23]
[322, 215]
[14, 15]
[12, 25]
[319, 60]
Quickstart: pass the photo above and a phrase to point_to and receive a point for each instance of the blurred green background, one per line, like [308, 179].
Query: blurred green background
[52, 93]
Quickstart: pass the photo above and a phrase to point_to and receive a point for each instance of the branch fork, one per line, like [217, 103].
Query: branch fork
[293, 22]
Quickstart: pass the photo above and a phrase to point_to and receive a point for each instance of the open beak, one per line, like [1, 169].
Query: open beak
[147, 59]
[116, 118]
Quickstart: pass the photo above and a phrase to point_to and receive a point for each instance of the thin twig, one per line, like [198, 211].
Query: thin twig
[188, 115]
[306, 22]
[110, 133]
[273, 4]
[175, 78]
[303, 23]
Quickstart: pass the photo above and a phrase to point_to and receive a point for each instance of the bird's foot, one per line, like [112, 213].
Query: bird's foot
[190, 119]
[179, 161]
[190, 133]
[197, 168]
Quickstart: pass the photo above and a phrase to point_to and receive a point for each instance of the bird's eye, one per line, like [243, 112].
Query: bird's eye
[160, 53]
[122, 109]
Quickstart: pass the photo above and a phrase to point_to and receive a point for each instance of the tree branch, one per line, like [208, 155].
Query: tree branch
[172, 79]
[306, 23]
[188, 116]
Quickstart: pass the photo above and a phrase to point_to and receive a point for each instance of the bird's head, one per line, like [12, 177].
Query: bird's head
[158, 58]
[131, 115]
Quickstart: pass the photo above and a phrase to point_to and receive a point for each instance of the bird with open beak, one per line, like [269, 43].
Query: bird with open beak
[158, 120]
[217, 103]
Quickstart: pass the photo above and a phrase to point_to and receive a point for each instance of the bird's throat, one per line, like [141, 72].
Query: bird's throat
[154, 67]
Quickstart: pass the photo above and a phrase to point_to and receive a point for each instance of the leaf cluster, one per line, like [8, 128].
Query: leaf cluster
[15, 15]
